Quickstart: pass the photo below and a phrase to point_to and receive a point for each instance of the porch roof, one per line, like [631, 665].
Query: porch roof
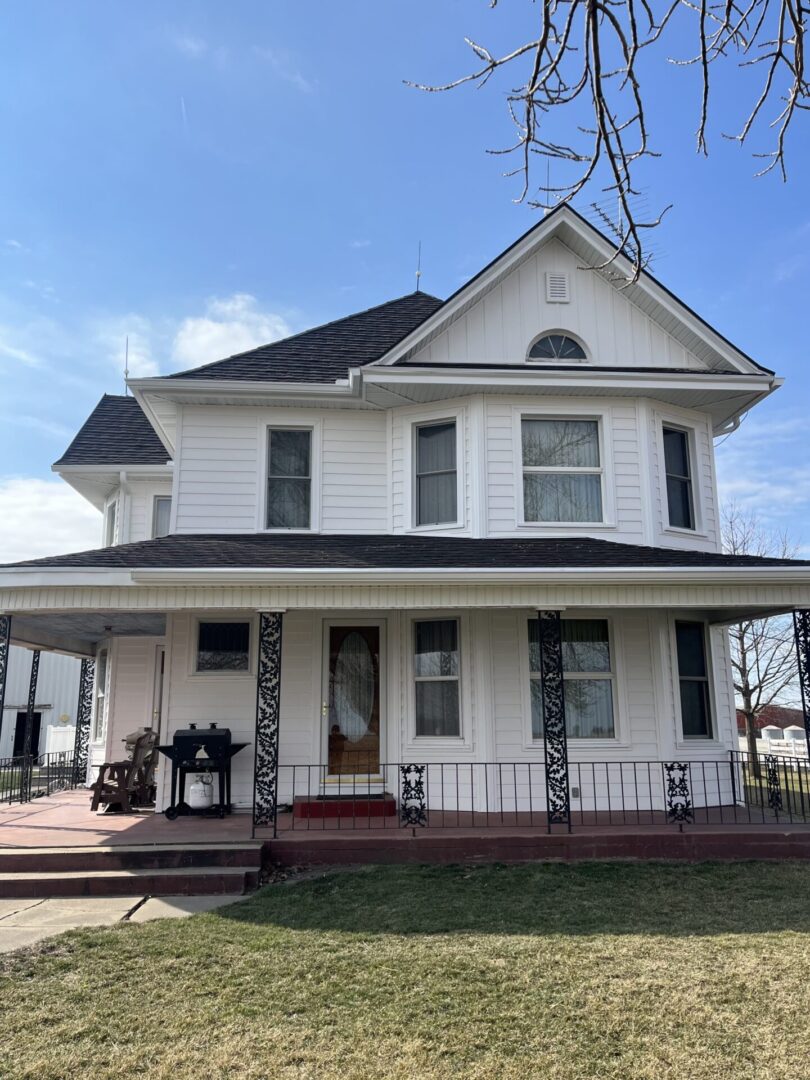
[296, 551]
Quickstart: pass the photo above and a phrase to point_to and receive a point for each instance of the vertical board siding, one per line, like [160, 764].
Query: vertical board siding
[131, 690]
[500, 327]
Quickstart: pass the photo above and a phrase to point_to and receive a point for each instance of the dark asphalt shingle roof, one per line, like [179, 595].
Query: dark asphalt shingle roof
[325, 353]
[115, 433]
[317, 551]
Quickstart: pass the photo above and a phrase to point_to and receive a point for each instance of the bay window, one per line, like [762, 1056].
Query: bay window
[289, 478]
[562, 470]
[677, 465]
[435, 473]
[436, 677]
[588, 675]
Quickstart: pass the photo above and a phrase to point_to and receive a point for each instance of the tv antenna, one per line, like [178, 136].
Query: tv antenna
[126, 366]
[418, 265]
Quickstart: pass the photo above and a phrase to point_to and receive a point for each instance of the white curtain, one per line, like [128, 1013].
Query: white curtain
[561, 443]
[562, 497]
[436, 498]
[288, 483]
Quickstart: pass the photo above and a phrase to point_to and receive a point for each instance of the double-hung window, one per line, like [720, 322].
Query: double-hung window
[693, 676]
[100, 704]
[562, 470]
[289, 478]
[680, 497]
[435, 473]
[161, 515]
[588, 675]
[436, 677]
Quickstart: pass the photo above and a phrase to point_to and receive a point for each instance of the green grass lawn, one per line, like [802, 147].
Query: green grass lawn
[591, 970]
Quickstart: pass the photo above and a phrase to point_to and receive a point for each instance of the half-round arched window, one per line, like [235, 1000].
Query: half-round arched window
[556, 347]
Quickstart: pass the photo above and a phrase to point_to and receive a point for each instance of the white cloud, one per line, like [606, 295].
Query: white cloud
[191, 45]
[38, 423]
[44, 517]
[110, 335]
[360, 244]
[15, 352]
[285, 68]
[229, 325]
[14, 244]
[761, 468]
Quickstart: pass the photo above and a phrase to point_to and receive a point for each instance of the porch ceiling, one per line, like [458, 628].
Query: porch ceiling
[77, 633]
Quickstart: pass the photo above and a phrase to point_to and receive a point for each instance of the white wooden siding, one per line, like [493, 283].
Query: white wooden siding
[222, 468]
[500, 327]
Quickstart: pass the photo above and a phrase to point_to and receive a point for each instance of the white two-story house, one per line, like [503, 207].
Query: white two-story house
[438, 555]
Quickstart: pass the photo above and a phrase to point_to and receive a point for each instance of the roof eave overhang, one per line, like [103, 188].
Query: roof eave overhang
[595, 250]
[188, 391]
[71, 577]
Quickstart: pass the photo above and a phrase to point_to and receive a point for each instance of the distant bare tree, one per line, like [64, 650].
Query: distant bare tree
[585, 54]
[763, 653]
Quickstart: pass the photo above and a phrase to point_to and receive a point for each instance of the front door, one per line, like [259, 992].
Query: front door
[352, 699]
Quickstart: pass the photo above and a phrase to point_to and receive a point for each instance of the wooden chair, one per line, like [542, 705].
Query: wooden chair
[130, 782]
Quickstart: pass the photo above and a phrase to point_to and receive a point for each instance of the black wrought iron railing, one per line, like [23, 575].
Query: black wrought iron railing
[25, 778]
[509, 795]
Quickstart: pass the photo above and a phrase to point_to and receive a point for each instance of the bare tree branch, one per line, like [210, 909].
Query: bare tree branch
[586, 54]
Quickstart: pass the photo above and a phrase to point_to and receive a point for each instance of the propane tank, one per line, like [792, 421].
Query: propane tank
[201, 793]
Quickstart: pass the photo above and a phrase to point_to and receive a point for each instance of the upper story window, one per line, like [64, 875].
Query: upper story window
[693, 676]
[161, 515]
[678, 467]
[562, 471]
[110, 523]
[289, 478]
[556, 347]
[435, 473]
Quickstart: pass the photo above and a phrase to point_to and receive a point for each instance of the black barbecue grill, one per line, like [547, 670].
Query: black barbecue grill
[200, 750]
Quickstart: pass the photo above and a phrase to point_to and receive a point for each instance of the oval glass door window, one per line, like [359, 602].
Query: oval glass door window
[353, 688]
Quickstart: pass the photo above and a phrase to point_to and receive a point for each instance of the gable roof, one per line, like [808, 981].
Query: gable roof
[115, 433]
[327, 352]
[594, 248]
[256, 551]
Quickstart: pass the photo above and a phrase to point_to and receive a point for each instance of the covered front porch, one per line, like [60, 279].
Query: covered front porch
[336, 746]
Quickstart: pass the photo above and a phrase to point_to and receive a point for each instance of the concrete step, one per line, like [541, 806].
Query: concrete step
[191, 881]
[130, 857]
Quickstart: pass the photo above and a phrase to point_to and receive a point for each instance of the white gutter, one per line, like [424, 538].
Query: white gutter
[247, 388]
[550, 376]
[96, 576]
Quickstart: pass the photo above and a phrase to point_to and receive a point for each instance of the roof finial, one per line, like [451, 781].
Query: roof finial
[418, 265]
[126, 366]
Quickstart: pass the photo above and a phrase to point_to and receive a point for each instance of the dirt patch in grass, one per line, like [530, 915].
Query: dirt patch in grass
[583, 971]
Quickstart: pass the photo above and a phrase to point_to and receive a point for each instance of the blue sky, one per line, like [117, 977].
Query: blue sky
[203, 176]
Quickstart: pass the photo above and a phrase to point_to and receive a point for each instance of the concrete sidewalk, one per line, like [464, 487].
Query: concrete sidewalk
[25, 922]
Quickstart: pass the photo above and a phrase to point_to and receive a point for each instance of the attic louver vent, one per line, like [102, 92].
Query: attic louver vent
[557, 288]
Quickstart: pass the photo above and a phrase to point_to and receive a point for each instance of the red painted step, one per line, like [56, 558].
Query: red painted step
[347, 806]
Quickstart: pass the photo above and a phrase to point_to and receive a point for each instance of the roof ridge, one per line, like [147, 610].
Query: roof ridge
[311, 330]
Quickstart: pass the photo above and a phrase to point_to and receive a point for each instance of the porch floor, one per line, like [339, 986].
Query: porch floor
[65, 820]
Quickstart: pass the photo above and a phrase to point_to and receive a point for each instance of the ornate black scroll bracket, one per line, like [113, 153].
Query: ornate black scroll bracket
[772, 781]
[678, 795]
[801, 629]
[555, 742]
[84, 710]
[268, 703]
[412, 802]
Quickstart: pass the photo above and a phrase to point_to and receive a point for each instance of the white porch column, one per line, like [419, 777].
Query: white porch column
[268, 703]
